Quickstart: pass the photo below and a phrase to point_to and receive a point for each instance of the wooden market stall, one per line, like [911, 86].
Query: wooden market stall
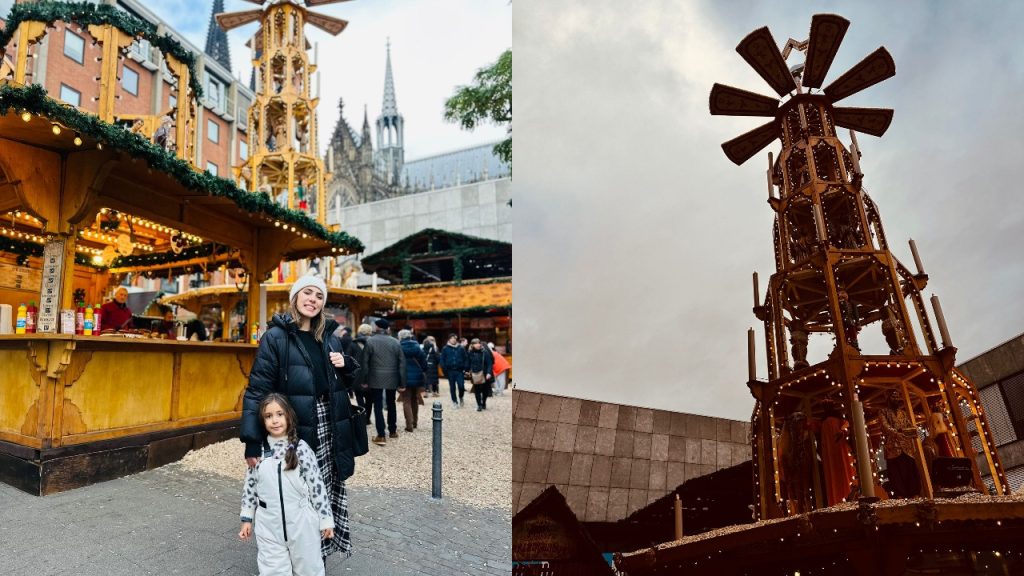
[79, 409]
[450, 283]
[358, 303]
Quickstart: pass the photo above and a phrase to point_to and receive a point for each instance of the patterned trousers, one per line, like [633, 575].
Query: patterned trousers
[339, 498]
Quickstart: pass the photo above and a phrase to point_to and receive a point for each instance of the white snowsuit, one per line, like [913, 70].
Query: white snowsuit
[289, 508]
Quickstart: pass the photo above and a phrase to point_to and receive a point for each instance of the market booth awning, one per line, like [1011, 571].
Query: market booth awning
[432, 255]
[359, 302]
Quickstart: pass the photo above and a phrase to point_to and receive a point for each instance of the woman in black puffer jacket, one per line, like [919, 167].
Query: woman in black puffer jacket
[481, 366]
[301, 358]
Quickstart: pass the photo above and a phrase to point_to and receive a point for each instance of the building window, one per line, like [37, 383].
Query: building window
[243, 150]
[130, 81]
[74, 46]
[213, 131]
[211, 168]
[215, 92]
[70, 95]
[172, 100]
[140, 48]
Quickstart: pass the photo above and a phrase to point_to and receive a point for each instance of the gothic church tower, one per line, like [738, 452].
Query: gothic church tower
[390, 132]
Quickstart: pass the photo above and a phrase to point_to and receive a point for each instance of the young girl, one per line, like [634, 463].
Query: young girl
[285, 496]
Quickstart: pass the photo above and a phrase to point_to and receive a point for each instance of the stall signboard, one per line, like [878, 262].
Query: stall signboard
[18, 278]
[49, 296]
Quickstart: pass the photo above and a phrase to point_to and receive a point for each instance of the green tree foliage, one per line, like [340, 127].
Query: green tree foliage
[488, 99]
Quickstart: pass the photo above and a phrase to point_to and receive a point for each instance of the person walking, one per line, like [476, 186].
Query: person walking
[295, 515]
[415, 368]
[363, 394]
[481, 372]
[300, 358]
[501, 368]
[433, 357]
[384, 362]
[453, 363]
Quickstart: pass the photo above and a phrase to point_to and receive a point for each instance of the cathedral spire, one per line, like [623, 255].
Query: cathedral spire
[390, 107]
[390, 131]
[217, 38]
[366, 124]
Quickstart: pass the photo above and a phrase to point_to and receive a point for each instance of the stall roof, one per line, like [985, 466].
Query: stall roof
[432, 255]
[198, 298]
[126, 172]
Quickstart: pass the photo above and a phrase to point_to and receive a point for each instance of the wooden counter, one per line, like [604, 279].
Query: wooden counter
[80, 409]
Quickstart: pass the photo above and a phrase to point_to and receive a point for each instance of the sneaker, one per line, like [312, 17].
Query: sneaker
[479, 408]
[393, 435]
[407, 429]
[455, 404]
[379, 440]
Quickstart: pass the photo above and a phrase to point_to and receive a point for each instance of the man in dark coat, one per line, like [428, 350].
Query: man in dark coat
[415, 378]
[454, 362]
[385, 374]
[363, 394]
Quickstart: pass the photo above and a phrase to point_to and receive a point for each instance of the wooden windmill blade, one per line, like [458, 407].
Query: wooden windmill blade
[231, 20]
[730, 101]
[874, 121]
[313, 3]
[762, 53]
[827, 31]
[743, 147]
[878, 66]
[329, 24]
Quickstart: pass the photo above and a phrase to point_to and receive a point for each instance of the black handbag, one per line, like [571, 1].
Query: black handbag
[357, 420]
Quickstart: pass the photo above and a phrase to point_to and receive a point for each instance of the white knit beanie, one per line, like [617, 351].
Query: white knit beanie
[307, 280]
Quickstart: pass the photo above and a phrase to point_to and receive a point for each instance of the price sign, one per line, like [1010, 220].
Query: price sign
[49, 296]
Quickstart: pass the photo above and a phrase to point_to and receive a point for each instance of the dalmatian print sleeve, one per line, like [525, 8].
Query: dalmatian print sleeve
[249, 496]
[318, 496]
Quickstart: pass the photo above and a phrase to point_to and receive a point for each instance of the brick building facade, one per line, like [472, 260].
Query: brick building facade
[66, 64]
[610, 460]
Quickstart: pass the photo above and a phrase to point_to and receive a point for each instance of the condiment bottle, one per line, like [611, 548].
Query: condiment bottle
[31, 315]
[80, 318]
[96, 325]
[87, 324]
[19, 323]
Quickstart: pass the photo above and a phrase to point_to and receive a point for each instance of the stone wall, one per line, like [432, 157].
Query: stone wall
[610, 460]
[480, 209]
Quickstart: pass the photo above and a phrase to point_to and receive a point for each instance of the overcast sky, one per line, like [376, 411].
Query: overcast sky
[635, 236]
[435, 46]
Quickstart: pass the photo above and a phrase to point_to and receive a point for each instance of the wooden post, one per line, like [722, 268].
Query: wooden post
[860, 437]
[943, 330]
[757, 292]
[679, 517]
[751, 361]
[917, 257]
[113, 40]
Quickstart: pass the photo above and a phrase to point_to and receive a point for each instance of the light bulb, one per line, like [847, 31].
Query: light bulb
[26, 116]
[55, 128]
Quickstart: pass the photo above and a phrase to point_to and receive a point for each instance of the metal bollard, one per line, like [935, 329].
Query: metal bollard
[435, 492]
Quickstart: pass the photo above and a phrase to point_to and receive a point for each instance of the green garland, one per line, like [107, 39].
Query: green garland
[34, 99]
[429, 285]
[89, 14]
[23, 249]
[201, 251]
[450, 312]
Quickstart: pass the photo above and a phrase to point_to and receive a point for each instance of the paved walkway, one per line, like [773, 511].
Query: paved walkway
[173, 521]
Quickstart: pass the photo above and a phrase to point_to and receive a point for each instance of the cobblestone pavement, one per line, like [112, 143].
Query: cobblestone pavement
[173, 521]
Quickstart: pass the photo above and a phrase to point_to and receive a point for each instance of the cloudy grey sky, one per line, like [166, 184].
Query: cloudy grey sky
[635, 236]
[435, 46]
